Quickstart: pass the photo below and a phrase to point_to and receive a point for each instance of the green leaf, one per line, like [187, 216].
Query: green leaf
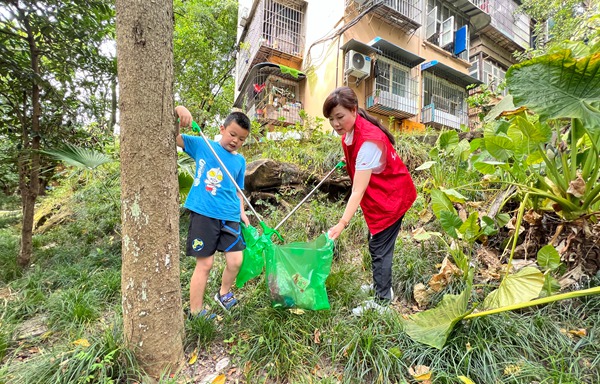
[527, 136]
[450, 222]
[486, 167]
[440, 202]
[470, 228]
[559, 85]
[447, 140]
[454, 195]
[425, 165]
[516, 288]
[185, 184]
[499, 146]
[502, 219]
[78, 156]
[462, 150]
[548, 257]
[488, 226]
[551, 285]
[506, 104]
[432, 327]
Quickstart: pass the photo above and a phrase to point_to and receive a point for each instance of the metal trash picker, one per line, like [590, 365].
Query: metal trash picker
[338, 165]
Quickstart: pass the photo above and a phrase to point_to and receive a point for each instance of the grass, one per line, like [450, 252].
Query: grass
[74, 283]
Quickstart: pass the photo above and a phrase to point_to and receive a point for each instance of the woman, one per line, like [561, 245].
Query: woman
[381, 184]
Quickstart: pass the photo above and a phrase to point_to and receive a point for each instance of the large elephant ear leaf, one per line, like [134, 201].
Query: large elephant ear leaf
[559, 85]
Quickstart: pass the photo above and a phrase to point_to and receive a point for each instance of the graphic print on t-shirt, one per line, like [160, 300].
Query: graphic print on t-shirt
[201, 164]
[213, 180]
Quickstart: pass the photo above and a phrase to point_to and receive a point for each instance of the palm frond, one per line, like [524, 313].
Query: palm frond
[78, 156]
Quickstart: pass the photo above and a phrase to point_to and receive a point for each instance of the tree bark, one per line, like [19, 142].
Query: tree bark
[150, 282]
[29, 158]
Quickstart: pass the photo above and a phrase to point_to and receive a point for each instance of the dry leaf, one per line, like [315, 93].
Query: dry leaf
[193, 357]
[418, 231]
[466, 380]
[425, 215]
[420, 373]
[532, 217]
[512, 369]
[581, 332]
[462, 213]
[421, 295]
[297, 311]
[317, 336]
[444, 276]
[222, 364]
[577, 186]
[219, 379]
[81, 343]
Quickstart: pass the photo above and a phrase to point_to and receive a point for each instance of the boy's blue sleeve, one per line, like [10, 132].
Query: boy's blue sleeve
[189, 145]
[240, 177]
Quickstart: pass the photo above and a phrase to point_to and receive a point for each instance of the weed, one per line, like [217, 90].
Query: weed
[368, 350]
[200, 332]
[73, 307]
[9, 249]
[104, 359]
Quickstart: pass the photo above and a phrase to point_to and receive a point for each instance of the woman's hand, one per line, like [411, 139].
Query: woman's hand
[335, 231]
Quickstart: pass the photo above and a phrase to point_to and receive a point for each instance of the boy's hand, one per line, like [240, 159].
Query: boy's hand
[185, 117]
[245, 219]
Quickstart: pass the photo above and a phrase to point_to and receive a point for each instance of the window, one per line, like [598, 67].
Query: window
[447, 32]
[391, 77]
[444, 95]
[282, 28]
[492, 74]
[441, 23]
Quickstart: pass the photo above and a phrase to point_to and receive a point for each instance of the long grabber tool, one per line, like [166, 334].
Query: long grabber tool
[196, 128]
[338, 165]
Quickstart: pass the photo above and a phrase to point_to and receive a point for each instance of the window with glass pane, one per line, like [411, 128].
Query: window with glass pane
[383, 76]
[398, 82]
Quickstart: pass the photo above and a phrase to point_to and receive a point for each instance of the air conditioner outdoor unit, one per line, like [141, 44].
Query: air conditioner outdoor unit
[357, 64]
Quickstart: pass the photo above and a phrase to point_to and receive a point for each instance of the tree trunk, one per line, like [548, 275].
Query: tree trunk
[150, 285]
[29, 158]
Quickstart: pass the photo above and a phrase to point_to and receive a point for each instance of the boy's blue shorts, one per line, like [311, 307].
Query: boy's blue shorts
[207, 235]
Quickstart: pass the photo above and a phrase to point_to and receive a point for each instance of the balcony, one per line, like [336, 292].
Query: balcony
[440, 117]
[402, 14]
[508, 28]
[274, 33]
[388, 104]
[270, 95]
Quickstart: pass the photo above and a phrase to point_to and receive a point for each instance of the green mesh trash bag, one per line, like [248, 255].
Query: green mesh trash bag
[296, 273]
[254, 260]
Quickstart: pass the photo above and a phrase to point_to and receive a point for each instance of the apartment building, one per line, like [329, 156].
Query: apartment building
[409, 61]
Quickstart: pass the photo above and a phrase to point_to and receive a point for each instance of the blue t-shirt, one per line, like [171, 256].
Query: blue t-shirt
[213, 194]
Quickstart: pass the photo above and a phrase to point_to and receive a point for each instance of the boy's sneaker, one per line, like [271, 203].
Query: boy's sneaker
[226, 301]
[203, 314]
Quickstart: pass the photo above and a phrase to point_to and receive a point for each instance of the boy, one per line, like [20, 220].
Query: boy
[216, 206]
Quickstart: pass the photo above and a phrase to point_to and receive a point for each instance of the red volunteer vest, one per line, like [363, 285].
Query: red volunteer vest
[390, 193]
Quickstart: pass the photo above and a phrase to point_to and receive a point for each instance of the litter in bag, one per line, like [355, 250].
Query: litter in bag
[296, 273]
[254, 260]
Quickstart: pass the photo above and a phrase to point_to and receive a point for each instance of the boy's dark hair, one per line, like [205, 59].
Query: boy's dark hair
[240, 118]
